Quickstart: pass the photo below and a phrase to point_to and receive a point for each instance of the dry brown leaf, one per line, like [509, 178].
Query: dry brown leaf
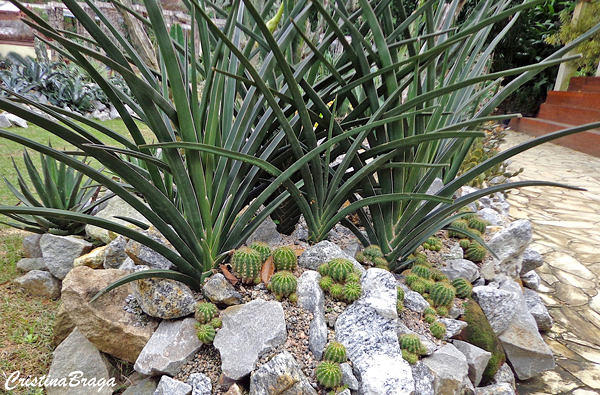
[228, 275]
[298, 251]
[267, 270]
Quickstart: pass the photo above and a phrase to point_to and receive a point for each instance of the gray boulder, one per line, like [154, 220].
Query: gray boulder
[281, 375]
[164, 298]
[77, 359]
[169, 386]
[312, 298]
[492, 216]
[116, 207]
[129, 265]
[145, 256]
[423, 379]
[348, 378]
[538, 310]
[498, 305]
[461, 268]
[531, 260]
[249, 331]
[115, 254]
[31, 246]
[172, 345]
[368, 330]
[266, 233]
[450, 369]
[455, 253]
[323, 252]
[17, 121]
[5, 122]
[509, 244]
[495, 389]
[504, 375]
[413, 301]
[200, 383]
[220, 291]
[59, 252]
[113, 113]
[531, 280]
[453, 327]
[477, 359]
[40, 283]
[29, 264]
[145, 387]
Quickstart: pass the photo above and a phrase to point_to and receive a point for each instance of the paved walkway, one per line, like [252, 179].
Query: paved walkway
[566, 231]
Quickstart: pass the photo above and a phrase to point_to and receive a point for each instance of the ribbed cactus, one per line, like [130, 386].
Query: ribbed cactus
[329, 374]
[325, 283]
[442, 311]
[205, 312]
[460, 224]
[410, 357]
[380, 263]
[353, 278]
[476, 252]
[437, 275]
[433, 244]
[429, 318]
[371, 252]
[339, 268]
[438, 330]
[360, 257]
[470, 214]
[400, 293]
[411, 278]
[463, 287]
[442, 294]
[428, 311]
[323, 270]
[246, 264]
[352, 291]
[478, 224]
[419, 259]
[283, 283]
[464, 243]
[335, 352]
[428, 285]
[411, 343]
[263, 249]
[206, 333]
[419, 286]
[293, 297]
[216, 323]
[337, 290]
[284, 258]
[421, 271]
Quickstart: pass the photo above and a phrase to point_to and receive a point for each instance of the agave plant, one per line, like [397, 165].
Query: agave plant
[56, 187]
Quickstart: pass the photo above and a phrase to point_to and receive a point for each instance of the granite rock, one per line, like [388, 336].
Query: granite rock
[477, 359]
[413, 301]
[169, 386]
[266, 233]
[423, 379]
[460, 268]
[60, 251]
[220, 291]
[453, 327]
[281, 375]
[143, 255]
[323, 252]
[509, 244]
[538, 310]
[31, 246]
[348, 378]
[40, 283]
[531, 280]
[200, 383]
[498, 305]
[450, 369]
[495, 389]
[531, 260]
[29, 264]
[312, 298]
[93, 259]
[146, 386]
[115, 254]
[164, 298]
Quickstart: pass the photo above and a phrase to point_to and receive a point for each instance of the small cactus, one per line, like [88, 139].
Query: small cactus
[421, 271]
[263, 249]
[323, 270]
[470, 214]
[437, 275]
[325, 283]
[284, 258]
[476, 252]
[478, 224]
[293, 297]
[335, 352]
[419, 286]
[283, 283]
[464, 243]
[419, 259]
[353, 278]
[433, 244]
[410, 357]
[442, 294]
[438, 330]
[428, 311]
[400, 293]
[463, 287]
[205, 312]
[329, 374]
[399, 306]
[460, 224]
[360, 257]
[246, 264]
[429, 318]
[411, 343]
[380, 263]
[206, 333]
[428, 285]
[216, 323]
[371, 252]
[352, 291]
[411, 278]
[339, 268]
[336, 290]
[442, 311]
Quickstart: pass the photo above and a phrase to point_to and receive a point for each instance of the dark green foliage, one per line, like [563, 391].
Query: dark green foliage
[263, 249]
[478, 224]
[410, 357]
[352, 291]
[438, 329]
[372, 252]
[433, 244]
[284, 258]
[476, 252]
[419, 259]
[460, 224]
[206, 333]
[411, 343]
[339, 268]
[283, 283]
[463, 287]
[329, 374]
[246, 264]
[205, 312]
[335, 352]
[442, 294]
[325, 283]
[421, 271]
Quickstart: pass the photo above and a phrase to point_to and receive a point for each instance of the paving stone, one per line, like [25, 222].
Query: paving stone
[571, 295]
[569, 264]
[495, 389]
[595, 303]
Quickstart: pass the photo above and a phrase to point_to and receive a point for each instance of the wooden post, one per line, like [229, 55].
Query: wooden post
[566, 70]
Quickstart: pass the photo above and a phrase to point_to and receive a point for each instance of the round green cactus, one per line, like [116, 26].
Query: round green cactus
[325, 283]
[437, 275]
[293, 297]
[433, 244]
[460, 224]
[475, 232]
[419, 286]
[428, 311]
[442, 311]
[263, 249]
[323, 270]
[399, 306]
[429, 318]
[442, 294]
[371, 252]
[360, 257]
[476, 252]
[464, 243]
[206, 333]
[246, 264]
[478, 224]
[353, 278]
[352, 291]
[339, 268]
[380, 263]
[283, 283]
[216, 323]
[419, 259]
[400, 293]
[411, 278]
[421, 271]
[438, 330]
[329, 374]
[428, 285]
[470, 214]
[411, 343]
[335, 352]
[337, 291]
[410, 357]
[284, 258]
[205, 312]
[463, 287]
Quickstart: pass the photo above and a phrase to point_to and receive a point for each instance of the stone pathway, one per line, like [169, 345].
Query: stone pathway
[566, 226]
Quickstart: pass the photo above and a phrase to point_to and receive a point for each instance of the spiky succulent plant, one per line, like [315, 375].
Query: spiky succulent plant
[206, 333]
[329, 374]
[438, 329]
[463, 287]
[205, 312]
[411, 343]
[246, 264]
[335, 352]
[476, 252]
[339, 268]
[352, 291]
[263, 249]
[283, 284]
[284, 258]
[442, 294]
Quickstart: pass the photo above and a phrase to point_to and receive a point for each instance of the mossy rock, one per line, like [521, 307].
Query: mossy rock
[479, 332]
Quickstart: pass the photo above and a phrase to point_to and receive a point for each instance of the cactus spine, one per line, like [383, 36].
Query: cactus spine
[283, 283]
[246, 264]
[205, 312]
[329, 374]
[460, 224]
[437, 275]
[419, 286]
[339, 268]
[216, 323]
[263, 249]
[400, 294]
[442, 311]
[433, 244]
[442, 294]
[325, 283]
[206, 333]
[323, 270]
[371, 252]
[335, 352]
[438, 330]
[353, 278]
[464, 243]
[337, 290]
[410, 357]
[463, 287]
[284, 258]
[411, 278]
[419, 259]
